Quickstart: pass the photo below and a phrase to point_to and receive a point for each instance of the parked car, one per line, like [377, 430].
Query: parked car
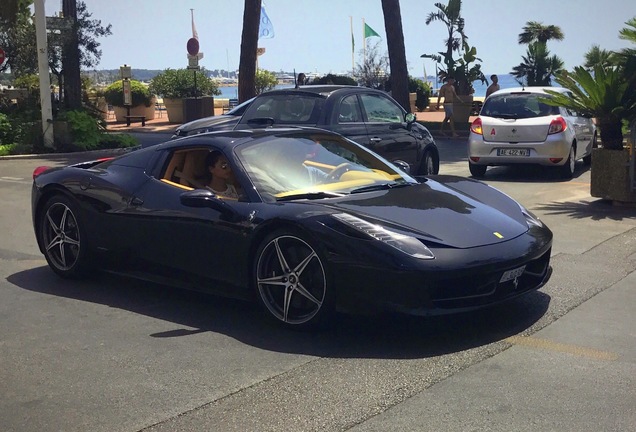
[225, 121]
[366, 237]
[369, 117]
[514, 126]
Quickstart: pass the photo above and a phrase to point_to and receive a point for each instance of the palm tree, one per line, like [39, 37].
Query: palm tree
[598, 57]
[249, 45]
[536, 32]
[397, 52]
[450, 15]
[604, 95]
[538, 67]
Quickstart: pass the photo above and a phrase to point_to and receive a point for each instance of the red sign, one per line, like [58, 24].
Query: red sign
[2, 56]
[193, 46]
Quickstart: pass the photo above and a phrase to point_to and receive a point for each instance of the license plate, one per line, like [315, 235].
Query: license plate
[512, 274]
[513, 152]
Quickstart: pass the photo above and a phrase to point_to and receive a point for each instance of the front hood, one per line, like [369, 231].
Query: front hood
[219, 122]
[454, 212]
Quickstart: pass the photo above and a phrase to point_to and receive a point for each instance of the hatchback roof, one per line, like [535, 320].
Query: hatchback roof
[529, 89]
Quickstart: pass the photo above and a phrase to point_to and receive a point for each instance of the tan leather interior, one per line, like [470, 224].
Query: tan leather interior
[188, 168]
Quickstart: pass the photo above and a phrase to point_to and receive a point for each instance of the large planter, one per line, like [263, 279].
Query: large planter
[174, 109]
[462, 109]
[412, 100]
[610, 178]
[140, 110]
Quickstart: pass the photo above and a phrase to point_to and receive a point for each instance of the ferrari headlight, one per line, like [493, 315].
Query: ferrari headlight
[404, 243]
[531, 219]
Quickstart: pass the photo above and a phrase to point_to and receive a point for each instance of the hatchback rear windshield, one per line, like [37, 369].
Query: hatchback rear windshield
[518, 105]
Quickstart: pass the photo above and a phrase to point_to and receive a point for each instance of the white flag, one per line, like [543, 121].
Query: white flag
[194, 29]
[265, 29]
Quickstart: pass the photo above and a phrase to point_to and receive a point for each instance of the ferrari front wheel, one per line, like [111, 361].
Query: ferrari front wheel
[292, 283]
[62, 237]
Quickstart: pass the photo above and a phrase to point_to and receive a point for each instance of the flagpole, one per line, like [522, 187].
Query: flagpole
[364, 43]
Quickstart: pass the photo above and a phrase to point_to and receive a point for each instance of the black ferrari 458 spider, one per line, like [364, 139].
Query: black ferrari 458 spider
[306, 222]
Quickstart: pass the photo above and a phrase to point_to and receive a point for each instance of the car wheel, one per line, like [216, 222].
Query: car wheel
[477, 171]
[567, 169]
[429, 164]
[63, 238]
[587, 160]
[292, 282]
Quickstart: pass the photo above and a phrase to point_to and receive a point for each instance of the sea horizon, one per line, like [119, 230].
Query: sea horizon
[505, 81]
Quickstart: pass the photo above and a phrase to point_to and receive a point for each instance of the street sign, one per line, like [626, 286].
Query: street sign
[193, 46]
[3, 56]
[127, 94]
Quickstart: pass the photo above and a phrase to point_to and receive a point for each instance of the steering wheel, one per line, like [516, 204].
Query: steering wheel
[339, 170]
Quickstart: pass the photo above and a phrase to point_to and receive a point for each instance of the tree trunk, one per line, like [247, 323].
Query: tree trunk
[397, 53]
[71, 60]
[249, 45]
[611, 134]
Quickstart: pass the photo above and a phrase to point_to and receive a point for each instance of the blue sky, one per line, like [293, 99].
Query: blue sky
[315, 36]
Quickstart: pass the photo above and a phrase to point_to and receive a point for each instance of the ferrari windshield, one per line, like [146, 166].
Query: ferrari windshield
[313, 166]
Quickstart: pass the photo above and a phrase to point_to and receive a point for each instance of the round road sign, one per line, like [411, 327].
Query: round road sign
[193, 46]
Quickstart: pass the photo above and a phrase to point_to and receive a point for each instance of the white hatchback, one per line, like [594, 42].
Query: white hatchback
[515, 127]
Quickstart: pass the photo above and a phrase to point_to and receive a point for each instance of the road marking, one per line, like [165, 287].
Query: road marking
[12, 179]
[549, 345]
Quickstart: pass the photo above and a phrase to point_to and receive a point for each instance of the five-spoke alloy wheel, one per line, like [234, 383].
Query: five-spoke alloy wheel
[292, 281]
[61, 237]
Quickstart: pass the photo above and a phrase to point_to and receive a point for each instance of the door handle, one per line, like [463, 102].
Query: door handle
[136, 202]
[375, 139]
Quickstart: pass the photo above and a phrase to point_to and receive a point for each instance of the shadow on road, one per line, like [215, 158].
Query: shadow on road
[595, 210]
[530, 173]
[353, 336]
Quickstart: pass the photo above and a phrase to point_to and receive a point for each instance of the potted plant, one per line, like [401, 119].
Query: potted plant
[143, 102]
[175, 85]
[458, 59]
[608, 95]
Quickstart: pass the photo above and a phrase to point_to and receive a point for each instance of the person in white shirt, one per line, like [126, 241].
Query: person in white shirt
[221, 176]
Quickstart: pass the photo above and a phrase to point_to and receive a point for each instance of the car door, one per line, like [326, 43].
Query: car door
[187, 241]
[387, 132]
[347, 120]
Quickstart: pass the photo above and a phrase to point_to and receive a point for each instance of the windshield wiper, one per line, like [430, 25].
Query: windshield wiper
[310, 196]
[381, 186]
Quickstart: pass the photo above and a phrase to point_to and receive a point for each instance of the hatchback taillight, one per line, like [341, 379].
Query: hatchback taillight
[557, 125]
[475, 126]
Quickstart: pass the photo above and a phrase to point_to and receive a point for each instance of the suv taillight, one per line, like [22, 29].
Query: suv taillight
[475, 126]
[557, 125]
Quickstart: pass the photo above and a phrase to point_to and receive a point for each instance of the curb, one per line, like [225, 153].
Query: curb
[97, 153]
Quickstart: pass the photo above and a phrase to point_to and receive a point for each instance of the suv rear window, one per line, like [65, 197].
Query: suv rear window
[286, 109]
[518, 105]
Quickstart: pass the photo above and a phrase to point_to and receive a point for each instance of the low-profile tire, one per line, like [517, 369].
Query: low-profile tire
[567, 169]
[63, 238]
[587, 160]
[477, 171]
[292, 283]
[429, 164]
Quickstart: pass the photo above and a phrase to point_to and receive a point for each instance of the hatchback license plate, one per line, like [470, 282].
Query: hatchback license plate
[512, 274]
[513, 152]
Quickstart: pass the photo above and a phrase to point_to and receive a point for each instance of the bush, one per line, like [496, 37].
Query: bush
[331, 79]
[265, 80]
[423, 91]
[179, 83]
[87, 133]
[114, 94]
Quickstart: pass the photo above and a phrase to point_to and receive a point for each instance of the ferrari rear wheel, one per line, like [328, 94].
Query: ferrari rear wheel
[292, 281]
[62, 238]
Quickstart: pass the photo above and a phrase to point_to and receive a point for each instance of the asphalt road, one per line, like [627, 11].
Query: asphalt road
[109, 354]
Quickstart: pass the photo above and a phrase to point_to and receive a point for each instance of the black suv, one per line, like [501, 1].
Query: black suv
[369, 117]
